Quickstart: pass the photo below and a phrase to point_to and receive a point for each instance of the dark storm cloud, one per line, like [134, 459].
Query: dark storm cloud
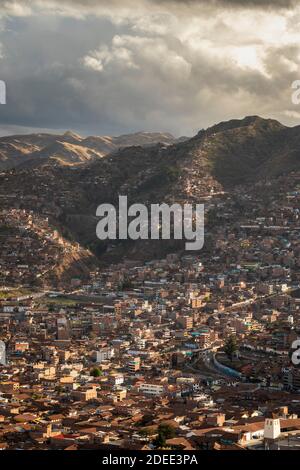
[241, 3]
[170, 66]
[12, 5]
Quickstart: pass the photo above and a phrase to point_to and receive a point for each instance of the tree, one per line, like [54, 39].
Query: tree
[160, 441]
[165, 431]
[144, 432]
[96, 372]
[230, 347]
[146, 419]
[126, 284]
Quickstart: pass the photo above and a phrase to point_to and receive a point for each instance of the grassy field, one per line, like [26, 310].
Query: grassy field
[60, 300]
[64, 301]
[12, 293]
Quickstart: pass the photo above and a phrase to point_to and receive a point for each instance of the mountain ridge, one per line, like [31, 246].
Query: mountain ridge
[216, 163]
[70, 148]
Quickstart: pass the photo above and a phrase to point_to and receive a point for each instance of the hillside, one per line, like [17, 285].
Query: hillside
[69, 148]
[34, 253]
[210, 167]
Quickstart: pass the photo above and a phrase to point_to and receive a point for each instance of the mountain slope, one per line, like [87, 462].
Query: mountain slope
[69, 148]
[34, 253]
[206, 168]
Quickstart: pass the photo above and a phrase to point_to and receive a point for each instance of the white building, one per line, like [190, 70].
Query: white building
[151, 389]
[104, 354]
[272, 428]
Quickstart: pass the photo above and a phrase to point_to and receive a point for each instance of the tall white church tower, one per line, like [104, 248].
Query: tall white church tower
[271, 431]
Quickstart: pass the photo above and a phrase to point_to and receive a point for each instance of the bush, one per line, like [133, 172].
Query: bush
[165, 431]
[96, 372]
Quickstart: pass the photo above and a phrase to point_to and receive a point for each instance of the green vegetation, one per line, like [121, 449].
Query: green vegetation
[5, 295]
[172, 173]
[230, 347]
[165, 431]
[12, 293]
[144, 433]
[164, 175]
[96, 372]
[60, 300]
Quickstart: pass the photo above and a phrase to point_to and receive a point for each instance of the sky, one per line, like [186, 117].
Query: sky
[98, 67]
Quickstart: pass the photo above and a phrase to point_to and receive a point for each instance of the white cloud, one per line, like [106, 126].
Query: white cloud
[93, 63]
[15, 8]
[117, 55]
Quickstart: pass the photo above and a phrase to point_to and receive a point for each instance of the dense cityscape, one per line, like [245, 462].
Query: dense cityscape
[187, 352]
[149, 232]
